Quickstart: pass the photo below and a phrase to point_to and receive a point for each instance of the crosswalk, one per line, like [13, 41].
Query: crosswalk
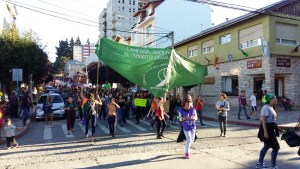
[129, 128]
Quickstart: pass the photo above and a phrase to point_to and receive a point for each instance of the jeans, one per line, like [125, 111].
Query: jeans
[11, 139]
[189, 136]
[14, 111]
[25, 115]
[199, 112]
[120, 116]
[223, 123]
[70, 115]
[92, 121]
[112, 125]
[159, 122]
[270, 143]
[245, 111]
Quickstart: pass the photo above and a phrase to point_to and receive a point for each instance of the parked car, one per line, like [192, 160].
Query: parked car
[58, 106]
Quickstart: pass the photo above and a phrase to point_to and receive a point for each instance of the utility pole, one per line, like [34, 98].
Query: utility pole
[171, 36]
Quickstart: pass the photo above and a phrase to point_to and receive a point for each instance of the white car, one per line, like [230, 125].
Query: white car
[58, 106]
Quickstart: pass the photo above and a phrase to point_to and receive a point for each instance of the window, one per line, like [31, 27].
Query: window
[148, 30]
[251, 36]
[119, 1]
[208, 46]
[133, 2]
[119, 8]
[229, 85]
[129, 2]
[123, 8]
[250, 43]
[286, 34]
[225, 38]
[123, 1]
[129, 9]
[133, 10]
[193, 51]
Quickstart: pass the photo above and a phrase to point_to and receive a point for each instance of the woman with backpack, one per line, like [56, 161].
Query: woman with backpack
[89, 111]
[70, 108]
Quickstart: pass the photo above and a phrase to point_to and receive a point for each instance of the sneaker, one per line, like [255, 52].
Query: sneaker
[260, 165]
[8, 148]
[186, 155]
[274, 167]
[162, 135]
[224, 135]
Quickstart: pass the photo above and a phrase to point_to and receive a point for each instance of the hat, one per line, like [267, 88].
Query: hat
[269, 97]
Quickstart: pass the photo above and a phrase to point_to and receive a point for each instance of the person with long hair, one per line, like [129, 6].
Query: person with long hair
[268, 132]
[188, 117]
[160, 118]
[70, 108]
[222, 107]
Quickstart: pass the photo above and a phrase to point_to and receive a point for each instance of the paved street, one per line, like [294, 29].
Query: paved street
[137, 147]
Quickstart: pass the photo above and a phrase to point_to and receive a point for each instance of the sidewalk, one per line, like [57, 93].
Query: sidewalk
[18, 123]
[285, 119]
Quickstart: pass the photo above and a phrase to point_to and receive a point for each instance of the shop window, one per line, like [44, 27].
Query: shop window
[229, 85]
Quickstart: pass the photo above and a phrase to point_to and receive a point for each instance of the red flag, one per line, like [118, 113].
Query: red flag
[295, 49]
[216, 60]
[208, 61]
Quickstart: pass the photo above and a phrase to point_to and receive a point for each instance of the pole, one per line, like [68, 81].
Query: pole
[172, 46]
[30, 86]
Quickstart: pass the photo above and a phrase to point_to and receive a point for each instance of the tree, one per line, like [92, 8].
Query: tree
[77, 42]
[23, 53]
[63, 54]
[71, 46]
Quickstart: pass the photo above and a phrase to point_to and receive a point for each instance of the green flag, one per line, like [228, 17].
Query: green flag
[244, 53]
[157, 70]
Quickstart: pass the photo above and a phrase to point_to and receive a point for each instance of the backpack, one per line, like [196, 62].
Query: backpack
[87, 110]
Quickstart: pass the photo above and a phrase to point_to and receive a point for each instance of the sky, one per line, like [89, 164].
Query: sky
[50, 30]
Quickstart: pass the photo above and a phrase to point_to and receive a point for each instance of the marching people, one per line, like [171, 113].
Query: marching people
[70, 108]
[268, 132]
[198, 106]
[242, 102]
[9, 130]
[120, 111]
[13, 102]
[222, 107]
[26, 104]
[188, 117]
[89, 111]
[111, 116]
[254, 105]
[160, 118]
[47, 107]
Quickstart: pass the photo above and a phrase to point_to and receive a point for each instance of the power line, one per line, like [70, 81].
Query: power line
[65, 9]
[14, 2]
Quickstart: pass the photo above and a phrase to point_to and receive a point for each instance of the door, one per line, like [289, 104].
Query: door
[279, 87]
[258, 86]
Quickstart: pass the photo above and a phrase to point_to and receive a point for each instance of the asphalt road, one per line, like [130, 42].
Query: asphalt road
[137, 147]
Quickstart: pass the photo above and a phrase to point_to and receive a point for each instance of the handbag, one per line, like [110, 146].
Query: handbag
[291, 138]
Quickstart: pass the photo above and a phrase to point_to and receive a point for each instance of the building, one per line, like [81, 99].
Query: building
[158, 18]
[257, 51]
[72, 68]
[117, 18]
[82, 52]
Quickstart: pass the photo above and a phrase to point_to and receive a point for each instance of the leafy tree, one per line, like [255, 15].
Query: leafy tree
[71, 45]
[77, 42]
[24, 53]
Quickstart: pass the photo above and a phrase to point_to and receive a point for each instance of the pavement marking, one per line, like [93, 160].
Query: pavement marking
[145, 122]
[83, 129]
[125, 130]
[47, 133]
[136, 126]
[64, 127]
[103, 128]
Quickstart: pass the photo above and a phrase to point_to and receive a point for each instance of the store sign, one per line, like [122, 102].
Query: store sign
[254, 64]
[209, 80]
[281, 62]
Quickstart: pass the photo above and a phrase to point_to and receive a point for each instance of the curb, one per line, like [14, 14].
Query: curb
[22, 133]
[232, 122]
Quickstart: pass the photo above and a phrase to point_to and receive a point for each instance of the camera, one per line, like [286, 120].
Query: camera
[221, 111]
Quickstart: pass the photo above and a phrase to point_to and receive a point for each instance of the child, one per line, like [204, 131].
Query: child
[2, 103]
[10, 133]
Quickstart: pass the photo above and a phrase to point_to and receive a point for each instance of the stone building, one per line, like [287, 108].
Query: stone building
[257, 51]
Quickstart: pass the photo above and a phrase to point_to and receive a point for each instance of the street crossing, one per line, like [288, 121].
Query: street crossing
[102, 127]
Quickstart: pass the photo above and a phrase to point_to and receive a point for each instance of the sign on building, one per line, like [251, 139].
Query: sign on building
[282, 62]
[252, 64]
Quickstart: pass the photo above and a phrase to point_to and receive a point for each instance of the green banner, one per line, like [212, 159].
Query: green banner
[157, 70]
[140, 102]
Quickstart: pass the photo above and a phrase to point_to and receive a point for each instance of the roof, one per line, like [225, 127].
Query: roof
[236, 20]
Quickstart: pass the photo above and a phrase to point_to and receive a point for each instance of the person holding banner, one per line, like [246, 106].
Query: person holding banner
[160, 118]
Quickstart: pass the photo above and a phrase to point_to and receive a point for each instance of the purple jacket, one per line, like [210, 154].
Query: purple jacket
[188, 124]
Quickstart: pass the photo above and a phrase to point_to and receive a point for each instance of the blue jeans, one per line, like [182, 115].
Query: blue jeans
[199, 112]
[120, 116]
[25, 114]
[189, 136]
[245, 111]
[270, 143]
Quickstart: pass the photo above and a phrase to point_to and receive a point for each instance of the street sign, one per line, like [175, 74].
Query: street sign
[17, 74]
